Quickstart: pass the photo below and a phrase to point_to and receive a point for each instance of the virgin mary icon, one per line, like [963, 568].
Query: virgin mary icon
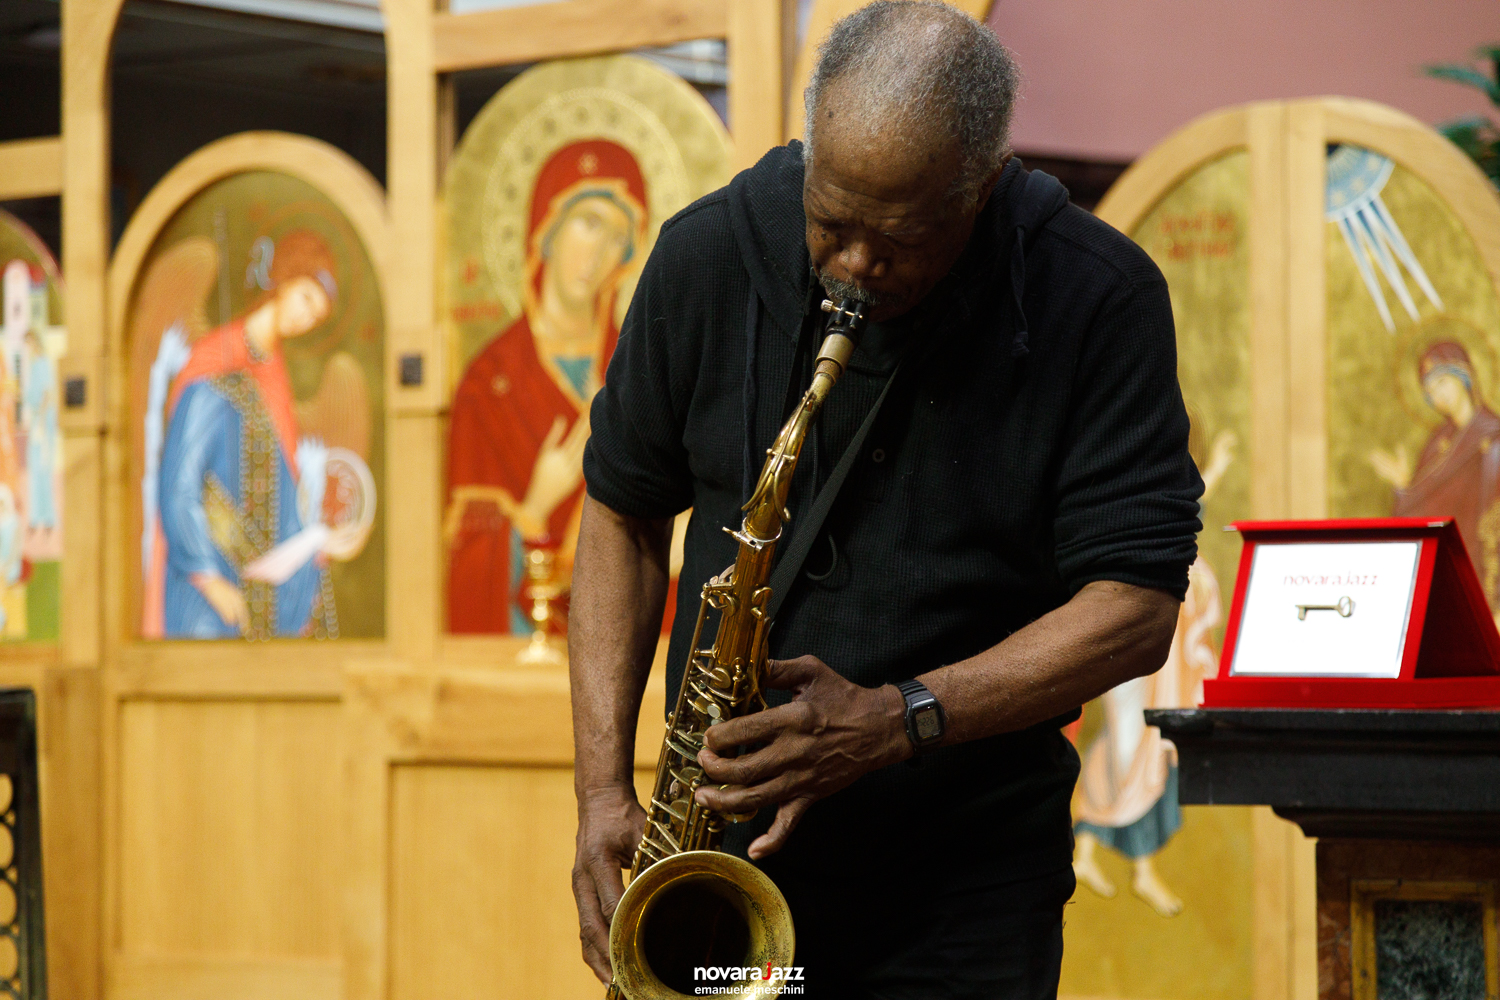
[553, 202]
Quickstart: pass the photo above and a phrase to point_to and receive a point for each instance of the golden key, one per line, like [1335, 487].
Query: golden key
[1345, 608]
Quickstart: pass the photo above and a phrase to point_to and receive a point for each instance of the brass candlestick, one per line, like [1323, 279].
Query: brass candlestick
[541, 590]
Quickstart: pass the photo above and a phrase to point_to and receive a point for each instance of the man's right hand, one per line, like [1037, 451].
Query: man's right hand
[610, 824]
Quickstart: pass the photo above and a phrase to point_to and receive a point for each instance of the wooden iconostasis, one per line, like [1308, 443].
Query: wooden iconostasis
[1334, 268]
[315, 441]
[287, 417]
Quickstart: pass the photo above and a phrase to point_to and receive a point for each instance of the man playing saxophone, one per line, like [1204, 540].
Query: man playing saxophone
[1012, 537]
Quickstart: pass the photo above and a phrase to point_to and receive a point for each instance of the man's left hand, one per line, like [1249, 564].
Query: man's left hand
[831, 733]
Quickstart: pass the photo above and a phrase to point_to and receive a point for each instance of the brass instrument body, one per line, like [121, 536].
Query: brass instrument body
[683, 840]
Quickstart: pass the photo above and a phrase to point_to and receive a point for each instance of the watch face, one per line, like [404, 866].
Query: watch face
[928, 724]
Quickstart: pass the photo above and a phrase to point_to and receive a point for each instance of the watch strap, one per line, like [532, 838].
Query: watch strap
[911, 687]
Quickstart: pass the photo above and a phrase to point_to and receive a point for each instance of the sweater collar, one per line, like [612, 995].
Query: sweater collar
[770, 229]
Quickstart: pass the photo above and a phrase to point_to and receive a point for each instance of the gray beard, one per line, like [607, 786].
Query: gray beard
[839, 290]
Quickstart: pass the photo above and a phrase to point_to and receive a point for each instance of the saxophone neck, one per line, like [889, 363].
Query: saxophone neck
[765, 512]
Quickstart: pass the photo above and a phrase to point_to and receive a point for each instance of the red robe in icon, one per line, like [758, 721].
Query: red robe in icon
[502, 411]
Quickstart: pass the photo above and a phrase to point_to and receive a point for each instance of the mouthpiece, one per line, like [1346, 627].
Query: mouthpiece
[848, 313]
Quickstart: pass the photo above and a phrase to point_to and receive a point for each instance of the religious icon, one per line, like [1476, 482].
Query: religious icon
[1127, 797]
[554, 200]
[1431, 447]
[255, 434]
[1457, 472]
[520, 419]
[30, 446]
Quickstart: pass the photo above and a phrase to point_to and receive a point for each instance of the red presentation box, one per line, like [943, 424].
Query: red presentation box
[1446, 655]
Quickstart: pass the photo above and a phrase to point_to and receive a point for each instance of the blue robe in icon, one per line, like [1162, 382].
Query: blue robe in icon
[228, 495]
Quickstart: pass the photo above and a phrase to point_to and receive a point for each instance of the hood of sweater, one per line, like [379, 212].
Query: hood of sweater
[770, 229]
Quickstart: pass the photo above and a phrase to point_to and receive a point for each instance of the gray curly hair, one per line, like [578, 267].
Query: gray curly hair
[915, 69]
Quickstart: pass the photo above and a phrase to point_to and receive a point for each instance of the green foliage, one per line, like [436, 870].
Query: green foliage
[1476, 135]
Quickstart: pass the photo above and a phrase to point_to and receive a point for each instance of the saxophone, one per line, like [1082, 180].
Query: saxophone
[689, 907]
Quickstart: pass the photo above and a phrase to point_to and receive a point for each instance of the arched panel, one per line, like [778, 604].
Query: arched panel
[248, 315]
[32, 341]
[1353, 352]
[245, 440]
[551, 205]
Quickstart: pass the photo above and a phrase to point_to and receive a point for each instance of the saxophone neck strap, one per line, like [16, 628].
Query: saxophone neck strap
[795, 554]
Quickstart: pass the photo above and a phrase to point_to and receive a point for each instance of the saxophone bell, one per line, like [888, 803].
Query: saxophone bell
[692, 912]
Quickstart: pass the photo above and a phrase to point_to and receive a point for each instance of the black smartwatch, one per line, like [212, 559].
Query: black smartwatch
[925, 721]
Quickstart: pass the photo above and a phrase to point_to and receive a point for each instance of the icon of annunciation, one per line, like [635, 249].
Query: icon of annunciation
[553, 201]
[1412, 308]
[255, 331]
[32, 340]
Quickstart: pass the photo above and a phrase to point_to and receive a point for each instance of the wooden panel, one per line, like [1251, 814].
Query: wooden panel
[420, 137]
[174, 978]
[69, 713]
[301, 669]
[229, 829]
[1287, 414]
[68, 734]
[1285, 910]
[480, 887]
[1269, 225]
[570, 28]
[757, 95]
[415, 578]
[509, 733]
[822, 18]
[1288, 439]
[81, 588]
[87, 33]
[1306, 318]
[1304, 917]
[30, 168]
[482, 716]
[416, 145]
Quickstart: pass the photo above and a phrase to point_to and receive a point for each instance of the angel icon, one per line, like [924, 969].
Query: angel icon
[247, 493]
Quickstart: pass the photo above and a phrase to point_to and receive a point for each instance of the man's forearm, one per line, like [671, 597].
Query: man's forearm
[620, 577]
[1107, 634]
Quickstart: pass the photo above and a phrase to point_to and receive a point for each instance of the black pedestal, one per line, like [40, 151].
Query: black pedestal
[1406, 806]
[1364, 774]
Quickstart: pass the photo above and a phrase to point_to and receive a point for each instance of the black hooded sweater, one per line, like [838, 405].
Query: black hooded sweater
[1034, 440]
